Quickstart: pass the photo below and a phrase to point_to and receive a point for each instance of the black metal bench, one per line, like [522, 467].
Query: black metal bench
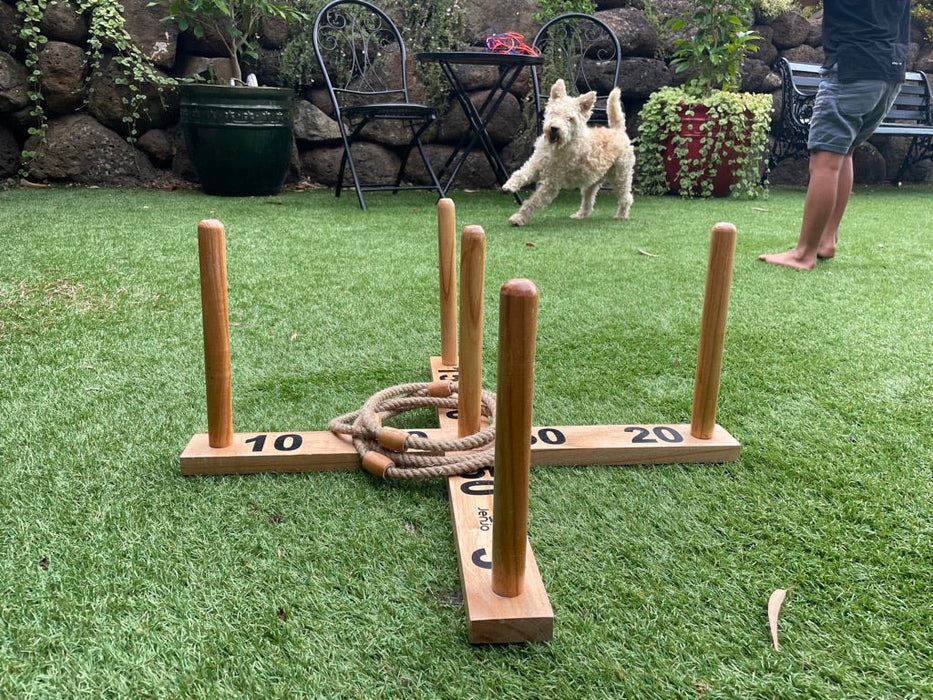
[909, 116]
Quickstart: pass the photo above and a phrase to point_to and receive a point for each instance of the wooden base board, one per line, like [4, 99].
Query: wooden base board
[491, 618]
[570, 445]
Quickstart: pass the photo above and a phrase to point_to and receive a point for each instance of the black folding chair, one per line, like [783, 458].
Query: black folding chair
[582, 50]
[363, 58]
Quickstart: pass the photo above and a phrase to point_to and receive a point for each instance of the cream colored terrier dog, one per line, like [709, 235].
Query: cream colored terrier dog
[570, 154]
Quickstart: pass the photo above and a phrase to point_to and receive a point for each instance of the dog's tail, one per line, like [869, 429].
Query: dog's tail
[614, 109]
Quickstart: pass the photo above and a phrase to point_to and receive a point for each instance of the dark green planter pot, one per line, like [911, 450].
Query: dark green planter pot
[239, 138]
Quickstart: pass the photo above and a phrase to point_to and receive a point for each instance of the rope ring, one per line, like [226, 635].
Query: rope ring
[510, 42]
[389, 452]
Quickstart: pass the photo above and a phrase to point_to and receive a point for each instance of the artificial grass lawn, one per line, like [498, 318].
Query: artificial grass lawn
[119, 577]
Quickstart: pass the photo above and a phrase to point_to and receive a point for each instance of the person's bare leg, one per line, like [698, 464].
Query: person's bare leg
[819, 208]
[830, 235]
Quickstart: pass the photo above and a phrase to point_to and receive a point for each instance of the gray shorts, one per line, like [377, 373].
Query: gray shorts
[846, 114]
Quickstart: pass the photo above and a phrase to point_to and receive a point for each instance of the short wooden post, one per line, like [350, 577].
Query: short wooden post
[472, 279]
[713, 330]
[447, 264]
[518, 317]
[212, 257]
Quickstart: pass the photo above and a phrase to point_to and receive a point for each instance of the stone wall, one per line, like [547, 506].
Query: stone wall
[86, 140]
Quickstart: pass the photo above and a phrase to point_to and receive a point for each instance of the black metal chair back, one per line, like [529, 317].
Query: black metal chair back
[362, 55]
[585, 52]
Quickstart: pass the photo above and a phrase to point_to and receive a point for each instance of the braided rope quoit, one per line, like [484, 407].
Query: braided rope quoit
[392, 453]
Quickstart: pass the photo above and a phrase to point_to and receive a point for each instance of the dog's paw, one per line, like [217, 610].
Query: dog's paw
[517, 220]
[511, 186]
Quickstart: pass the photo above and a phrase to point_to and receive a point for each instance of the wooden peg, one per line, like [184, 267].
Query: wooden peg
[212, 257]
[472, 279]
[447, 261]
[713, 330]
[518, 317]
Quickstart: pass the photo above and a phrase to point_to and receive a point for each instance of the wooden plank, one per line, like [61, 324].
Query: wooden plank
[493, 619]
[570, 445]
[252, 453]
[567, 445]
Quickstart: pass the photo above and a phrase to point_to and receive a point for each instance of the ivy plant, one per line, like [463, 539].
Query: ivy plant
[711, 48]
[106, 28]
[735, 135]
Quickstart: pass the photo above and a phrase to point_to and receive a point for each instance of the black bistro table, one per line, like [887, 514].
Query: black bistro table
[510, 67]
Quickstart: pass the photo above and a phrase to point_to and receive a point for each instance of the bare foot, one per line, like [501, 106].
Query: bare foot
[827, 249]
[790, 259]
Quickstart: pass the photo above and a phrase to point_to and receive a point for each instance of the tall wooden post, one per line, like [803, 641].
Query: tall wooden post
[447, 265]
[518, 318]
[212, 258]
[472, 279]
[713, 330]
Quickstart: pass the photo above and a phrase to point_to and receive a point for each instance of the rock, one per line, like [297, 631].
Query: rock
[13, 92]
[502, 129]
[215, 70]
[868, 165]
[21, 121]
[268, 68]
[756, 76]
[78, 148]
[789, 29]
[312, 125]
[767, 52]
[182, 167]
[9, 153]
[273, 32]
[815, 37]
[156, 39]
[486, 17]
[804, 54]
[639, 77]
[374, 163]
[475, 173]
[790, 172]
[63, 21]
[10, 25]
[159, 146]
[636, 34]
[62, 76]
[924, 60]
[109, 102]
[320, 99]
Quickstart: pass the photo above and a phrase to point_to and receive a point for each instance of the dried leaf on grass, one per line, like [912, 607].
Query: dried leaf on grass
[650, 255]
[775, 601]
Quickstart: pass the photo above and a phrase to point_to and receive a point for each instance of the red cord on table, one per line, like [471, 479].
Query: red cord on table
[510, 42]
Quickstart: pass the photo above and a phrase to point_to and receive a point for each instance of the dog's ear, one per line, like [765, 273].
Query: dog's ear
[558, 90]
[586, 103]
